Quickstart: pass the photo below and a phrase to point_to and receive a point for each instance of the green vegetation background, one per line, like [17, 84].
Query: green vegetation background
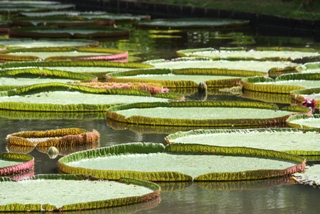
[300, 9]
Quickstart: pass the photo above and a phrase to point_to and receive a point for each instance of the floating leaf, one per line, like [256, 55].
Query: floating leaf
[310, 176]
[287, 140]
[57, 137]
[260, 53]
[14, 163]
[192, 23]
[181, 162]
[304, 121]
[307, 94]
[90, 194]
[210, 114]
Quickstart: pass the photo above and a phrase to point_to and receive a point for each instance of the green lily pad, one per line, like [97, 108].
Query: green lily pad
[257, 67]
[57, 137]
[310, 176]
[260, 53]
[60, 97]
[17, 78]
[70, 32]
[307, 94]
[91, 194]
[181, 162]
[313, 67]
[60, 21]
[30, 43]
[293, 141]
[14, 163]
[304, 121]
[267, 97]
[64, 53]
[209, 114]
[192, 23]
[88, 15]
[28, 6]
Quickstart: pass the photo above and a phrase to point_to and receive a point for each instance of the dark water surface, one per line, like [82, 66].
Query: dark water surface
[266, 196]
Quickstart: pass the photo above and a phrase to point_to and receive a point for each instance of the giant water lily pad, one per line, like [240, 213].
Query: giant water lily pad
[310, 176]
[267, 97]
[209, 114]
[313, 67]
[60, 97]
[198, 63]
[181, 162]
[28, 6]
[304, 121]
[88, 15]
[13, 163]
[283, 84]
[293, 141]
[189, 78]
[31, 43]
[70, 32]
[60, 21]
[91, 194]
[260, 53]
[17, 78]
[57, 137]
[191, 23]
[64, 53]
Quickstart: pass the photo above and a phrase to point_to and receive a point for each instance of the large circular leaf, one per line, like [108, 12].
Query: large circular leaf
[181, 162]
[288, 140]
[260, 53]
[90, 194]
[209, 114]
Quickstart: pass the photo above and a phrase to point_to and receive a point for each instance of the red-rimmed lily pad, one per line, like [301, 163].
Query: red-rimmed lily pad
[14, 163]
[70, 32]
[91, 193]
[64, 53]
[259, 53]
[192, 23]
[304, 121]
[209, 114]
[181, 162]
[288, 140]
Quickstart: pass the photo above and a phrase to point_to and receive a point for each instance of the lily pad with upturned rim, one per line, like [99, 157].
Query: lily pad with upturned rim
[259, 53]
[310, 176]
[191, 23]
[60, 97]
[304, 121]
[307, 94]
[293, 141]
[210, 114]
[91, 194]
[181, 162]
[14, 163]
[64, 53]
[13, 43]
[57, 137]
[70, 32]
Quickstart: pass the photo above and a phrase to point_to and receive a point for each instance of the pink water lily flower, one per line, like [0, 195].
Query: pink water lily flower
[310, 103]
[165, 90]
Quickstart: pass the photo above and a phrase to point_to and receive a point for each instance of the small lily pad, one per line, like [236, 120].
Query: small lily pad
[304, 121]
[14, 163]
[91, 194]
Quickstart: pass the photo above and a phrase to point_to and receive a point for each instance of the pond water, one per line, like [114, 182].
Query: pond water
[265, 196]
